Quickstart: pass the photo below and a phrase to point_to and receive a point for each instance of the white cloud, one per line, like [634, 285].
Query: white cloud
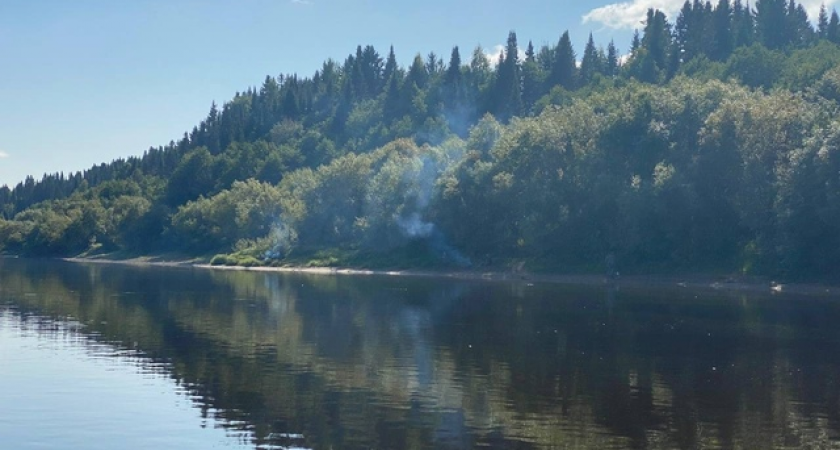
[813, 7]
[630, 15]
[3, 154]
[494, 54]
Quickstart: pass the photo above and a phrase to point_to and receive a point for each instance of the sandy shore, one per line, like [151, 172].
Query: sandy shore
[702, 282]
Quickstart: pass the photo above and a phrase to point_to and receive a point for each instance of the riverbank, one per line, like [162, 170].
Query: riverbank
[687, 281]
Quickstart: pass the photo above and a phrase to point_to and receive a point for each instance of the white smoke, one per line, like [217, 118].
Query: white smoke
[415, 227]
[282, 239]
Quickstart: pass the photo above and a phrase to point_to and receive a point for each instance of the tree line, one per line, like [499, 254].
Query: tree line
[544, 156]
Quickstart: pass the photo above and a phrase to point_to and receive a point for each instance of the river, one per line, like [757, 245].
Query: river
[98, 356]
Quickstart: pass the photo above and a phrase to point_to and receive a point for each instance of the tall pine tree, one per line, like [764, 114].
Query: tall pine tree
[591, 63]
[507, 96]
[771, 23]
[722, 25]
[564, 67]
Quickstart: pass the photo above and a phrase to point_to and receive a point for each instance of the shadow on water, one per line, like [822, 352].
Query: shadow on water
[383, 362]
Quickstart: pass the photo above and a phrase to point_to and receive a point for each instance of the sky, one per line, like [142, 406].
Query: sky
[87, 81]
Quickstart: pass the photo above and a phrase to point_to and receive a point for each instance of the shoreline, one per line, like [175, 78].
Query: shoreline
[692, 281]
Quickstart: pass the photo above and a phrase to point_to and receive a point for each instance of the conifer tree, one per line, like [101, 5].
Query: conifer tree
[532, 79]
[454, 89]
[723, 40]
[682, 33]
[392, 103]
[530, 55]
[507, 98]
[453, 70]
[799, 29]
[657, 37]
[212, 130]
[591, 62]
[822, 22]
[370, 64]
[771, 23]
[833, 31]
[391, 67]
[743, 24]
[417, 73]
[564, 69]
[434, 65]
[636, 42]
[290, 106]
[612, 60]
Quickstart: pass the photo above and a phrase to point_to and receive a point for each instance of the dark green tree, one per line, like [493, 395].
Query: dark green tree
[743, 25]
[723, 40]
[418, 74]
[822, 23]
[833, 31]
[564, 68]
[591, 63]
[507, 98]
[612, 62]
[799, 28]
[533, 80]
[391, 66]
[657, 37]
[772, 25]
[636, 42]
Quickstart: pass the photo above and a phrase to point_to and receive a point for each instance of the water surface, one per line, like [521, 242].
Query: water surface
[100, 356]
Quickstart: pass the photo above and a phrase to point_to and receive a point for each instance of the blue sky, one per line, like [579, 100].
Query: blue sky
[86, 81]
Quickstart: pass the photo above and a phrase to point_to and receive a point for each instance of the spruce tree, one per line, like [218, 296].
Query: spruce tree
[392, 104]
[800, 32]
[657, 37]
[591, 63]
[743, 24]
[612, 59]
[453, 70]
[564, 69]
[507, 91]
[391, 67]
[635, 43]
[370, 64]
[454, 89]
[682, 33]
[417, 73]
[822, 22]
[771, 23]
[723, 40]
[532, 79]
[833, 31]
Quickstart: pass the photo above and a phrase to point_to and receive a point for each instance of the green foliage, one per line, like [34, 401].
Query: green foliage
[192, 178]
[712, 146]
[248, 210]
[805, 67]
[235, 260]
[755, 66]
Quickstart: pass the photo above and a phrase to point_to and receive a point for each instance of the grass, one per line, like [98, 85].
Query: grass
[414, 255]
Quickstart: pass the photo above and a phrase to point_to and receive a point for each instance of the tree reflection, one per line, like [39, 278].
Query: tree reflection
[384, 362]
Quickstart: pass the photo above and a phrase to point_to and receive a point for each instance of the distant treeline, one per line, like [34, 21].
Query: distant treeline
[711, 145]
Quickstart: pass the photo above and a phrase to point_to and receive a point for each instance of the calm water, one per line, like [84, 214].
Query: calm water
[103, 357]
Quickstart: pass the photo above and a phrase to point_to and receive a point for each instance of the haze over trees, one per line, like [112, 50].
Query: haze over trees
[713, 145]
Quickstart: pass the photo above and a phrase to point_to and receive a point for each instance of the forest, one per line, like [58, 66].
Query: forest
[712, 144]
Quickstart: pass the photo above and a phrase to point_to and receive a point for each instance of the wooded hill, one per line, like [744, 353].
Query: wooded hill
[712, 147]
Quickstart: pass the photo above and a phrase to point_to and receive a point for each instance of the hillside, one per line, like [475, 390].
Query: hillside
[712, 147]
